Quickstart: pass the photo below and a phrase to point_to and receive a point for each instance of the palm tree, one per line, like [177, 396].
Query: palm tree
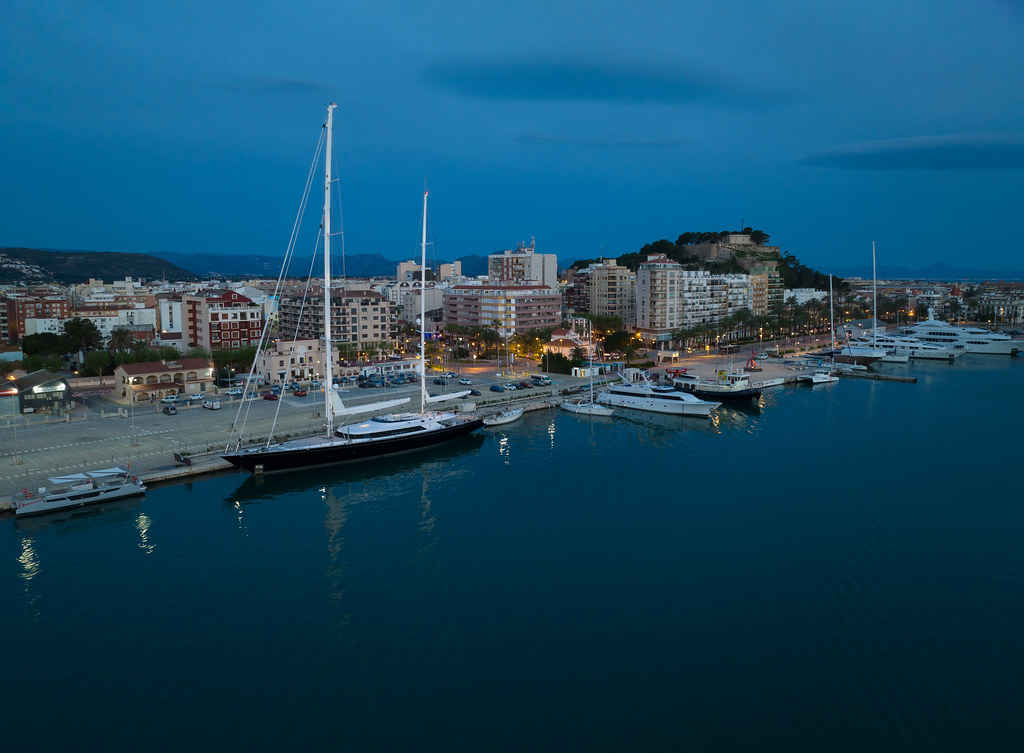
[121, 342]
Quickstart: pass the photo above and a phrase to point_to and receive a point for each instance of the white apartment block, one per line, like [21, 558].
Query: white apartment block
[523, 266]
[670, 298]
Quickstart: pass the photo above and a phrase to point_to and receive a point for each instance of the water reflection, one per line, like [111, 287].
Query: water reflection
[142, 524]
[67, 521]
[28, 560]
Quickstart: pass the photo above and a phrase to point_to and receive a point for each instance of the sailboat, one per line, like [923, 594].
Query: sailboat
[586, 406]
[825, 374]
[862, 354]
[379, 436]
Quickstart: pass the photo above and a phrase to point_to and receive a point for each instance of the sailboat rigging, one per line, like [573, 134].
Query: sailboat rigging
[378, 436]
[587, 406]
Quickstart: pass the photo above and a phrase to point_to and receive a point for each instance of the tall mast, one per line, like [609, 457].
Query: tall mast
[328, 356]
[831, 315]
[874, 297]
[423, 310]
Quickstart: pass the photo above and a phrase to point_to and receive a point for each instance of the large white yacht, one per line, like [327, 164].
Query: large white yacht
[655, 398]
[904, 345]
[970, 339]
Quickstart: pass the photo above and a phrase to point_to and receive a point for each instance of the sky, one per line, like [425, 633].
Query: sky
[592, 127]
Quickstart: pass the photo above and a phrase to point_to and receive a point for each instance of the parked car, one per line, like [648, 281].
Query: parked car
[212, 404]
[300, 393]
[198, 397]
[269, 396]
[525, 386]
[440, 380]
[475, 393]
[511, 387]
[449, 374]
[464, 380]
[170, 410]
[234, 392]
[497, 388]
[169, 399]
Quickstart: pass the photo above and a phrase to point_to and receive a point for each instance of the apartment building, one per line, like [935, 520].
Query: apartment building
[523, 266]
[221, 320]
[509, 309]
[358, 315]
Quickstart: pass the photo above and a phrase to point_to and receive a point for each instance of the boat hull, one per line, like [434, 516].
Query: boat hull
[587, 408]
[41, 505]
[714, 392]
[656, 405]
[278, 458]
[505, 417]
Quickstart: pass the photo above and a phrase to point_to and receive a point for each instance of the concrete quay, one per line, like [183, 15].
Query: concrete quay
[101, 433]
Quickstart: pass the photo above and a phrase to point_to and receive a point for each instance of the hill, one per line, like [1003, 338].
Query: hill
[35, 266]
[355, 265]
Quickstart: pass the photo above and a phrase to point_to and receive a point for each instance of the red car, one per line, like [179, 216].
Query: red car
[299, 393]
[269, 396]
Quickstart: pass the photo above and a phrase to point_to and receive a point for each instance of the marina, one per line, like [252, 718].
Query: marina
[561, 557]
[158, 452]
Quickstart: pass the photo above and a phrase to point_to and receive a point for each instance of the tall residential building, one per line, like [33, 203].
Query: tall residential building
[360, 316]
[606, 288]
[30, 304]
[523, 266]
[670, 298]
[509, 309]
[224, 320]
[658, 282]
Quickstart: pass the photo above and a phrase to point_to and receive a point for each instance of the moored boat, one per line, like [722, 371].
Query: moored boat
[728, 385]
[655, 398]
[376, 437]
[78, 490]
[506, 416]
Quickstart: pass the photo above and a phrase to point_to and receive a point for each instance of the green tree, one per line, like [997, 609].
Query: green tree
[96, 362]
[43, 344]
[82, 335]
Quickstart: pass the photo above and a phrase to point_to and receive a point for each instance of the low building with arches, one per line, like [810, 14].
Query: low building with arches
[150, 382]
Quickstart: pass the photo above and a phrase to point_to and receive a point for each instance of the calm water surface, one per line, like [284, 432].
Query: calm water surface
[840, 569]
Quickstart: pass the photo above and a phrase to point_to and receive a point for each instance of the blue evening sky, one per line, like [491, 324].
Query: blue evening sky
[190, 126]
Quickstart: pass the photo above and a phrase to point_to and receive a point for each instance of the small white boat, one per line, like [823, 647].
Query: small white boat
[821, 376]
[506, 416]
[78, 490]
[585, 407]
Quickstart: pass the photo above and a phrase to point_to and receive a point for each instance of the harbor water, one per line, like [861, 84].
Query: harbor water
[839, 568]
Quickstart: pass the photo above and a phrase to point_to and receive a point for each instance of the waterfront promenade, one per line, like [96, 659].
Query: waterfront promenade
[100, 433]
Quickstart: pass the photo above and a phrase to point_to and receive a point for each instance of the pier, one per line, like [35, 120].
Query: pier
[160, 449]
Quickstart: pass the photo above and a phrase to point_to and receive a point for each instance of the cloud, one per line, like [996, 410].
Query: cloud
[541, 139]
[959, 153]
[574, 81]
